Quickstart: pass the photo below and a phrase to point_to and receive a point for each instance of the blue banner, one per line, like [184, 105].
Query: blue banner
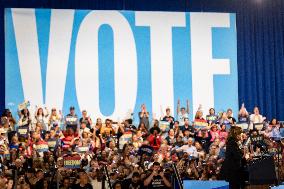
[111, 62]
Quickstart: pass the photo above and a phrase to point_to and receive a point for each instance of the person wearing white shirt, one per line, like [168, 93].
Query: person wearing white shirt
[182, 112]
[256, 118]
[190, 149]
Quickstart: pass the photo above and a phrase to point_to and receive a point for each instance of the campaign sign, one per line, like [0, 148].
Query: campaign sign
[23, 133]
[23, 105]
[72, 162]
[164, 126]
[200, 125]
[52, 144]
[125, 138]
[145, 149]
[82, 149]
[110, 62]
[42, 146]
[66, 142]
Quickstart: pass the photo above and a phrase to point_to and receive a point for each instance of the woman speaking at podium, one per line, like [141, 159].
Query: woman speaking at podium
[233, 166]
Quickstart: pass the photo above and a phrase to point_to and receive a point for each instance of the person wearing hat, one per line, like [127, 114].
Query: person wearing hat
[157, 178]
[71, 120]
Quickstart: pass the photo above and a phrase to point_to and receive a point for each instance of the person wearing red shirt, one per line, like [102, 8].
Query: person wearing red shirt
[155, 139]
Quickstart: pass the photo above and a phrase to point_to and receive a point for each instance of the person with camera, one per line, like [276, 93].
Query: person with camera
[157, 178]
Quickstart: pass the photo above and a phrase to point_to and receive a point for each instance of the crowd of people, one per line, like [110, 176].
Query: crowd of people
[46, 149]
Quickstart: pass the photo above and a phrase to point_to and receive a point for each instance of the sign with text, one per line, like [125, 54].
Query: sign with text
[72, 162]
[111, 62]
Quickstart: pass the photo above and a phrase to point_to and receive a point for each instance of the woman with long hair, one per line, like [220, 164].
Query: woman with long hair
[233, 166]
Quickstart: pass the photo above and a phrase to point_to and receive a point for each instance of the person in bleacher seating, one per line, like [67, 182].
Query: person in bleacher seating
[243, 116]
[168, 118]
[256, 118]
[211, 117]
[182, 113]
[230, 116]
[198, 150]
[71, 120]
[144, 116]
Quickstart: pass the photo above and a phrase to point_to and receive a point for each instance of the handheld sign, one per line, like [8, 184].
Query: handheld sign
[200, 125]
[23, 133]
[24, 105]
[42, 146]
[125, 138]
[71, 120]
[82, 149]
[72, 162]
[258, 126]
[146, 149]
[52, 143]
[164, 126]
[244, 126]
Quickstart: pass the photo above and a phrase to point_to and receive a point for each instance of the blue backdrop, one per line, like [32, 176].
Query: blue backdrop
[260, 41]
[94, 87]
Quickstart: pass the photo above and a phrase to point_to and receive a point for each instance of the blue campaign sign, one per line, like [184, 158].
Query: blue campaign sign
[111, 62]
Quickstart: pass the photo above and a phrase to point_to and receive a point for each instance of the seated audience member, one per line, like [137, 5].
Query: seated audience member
[274, 128]
[171, 139]
[176, 129]
[188, 127]
[189, 148]
[215, 133]
[155, 127]
[144, 131]
[223, 134]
